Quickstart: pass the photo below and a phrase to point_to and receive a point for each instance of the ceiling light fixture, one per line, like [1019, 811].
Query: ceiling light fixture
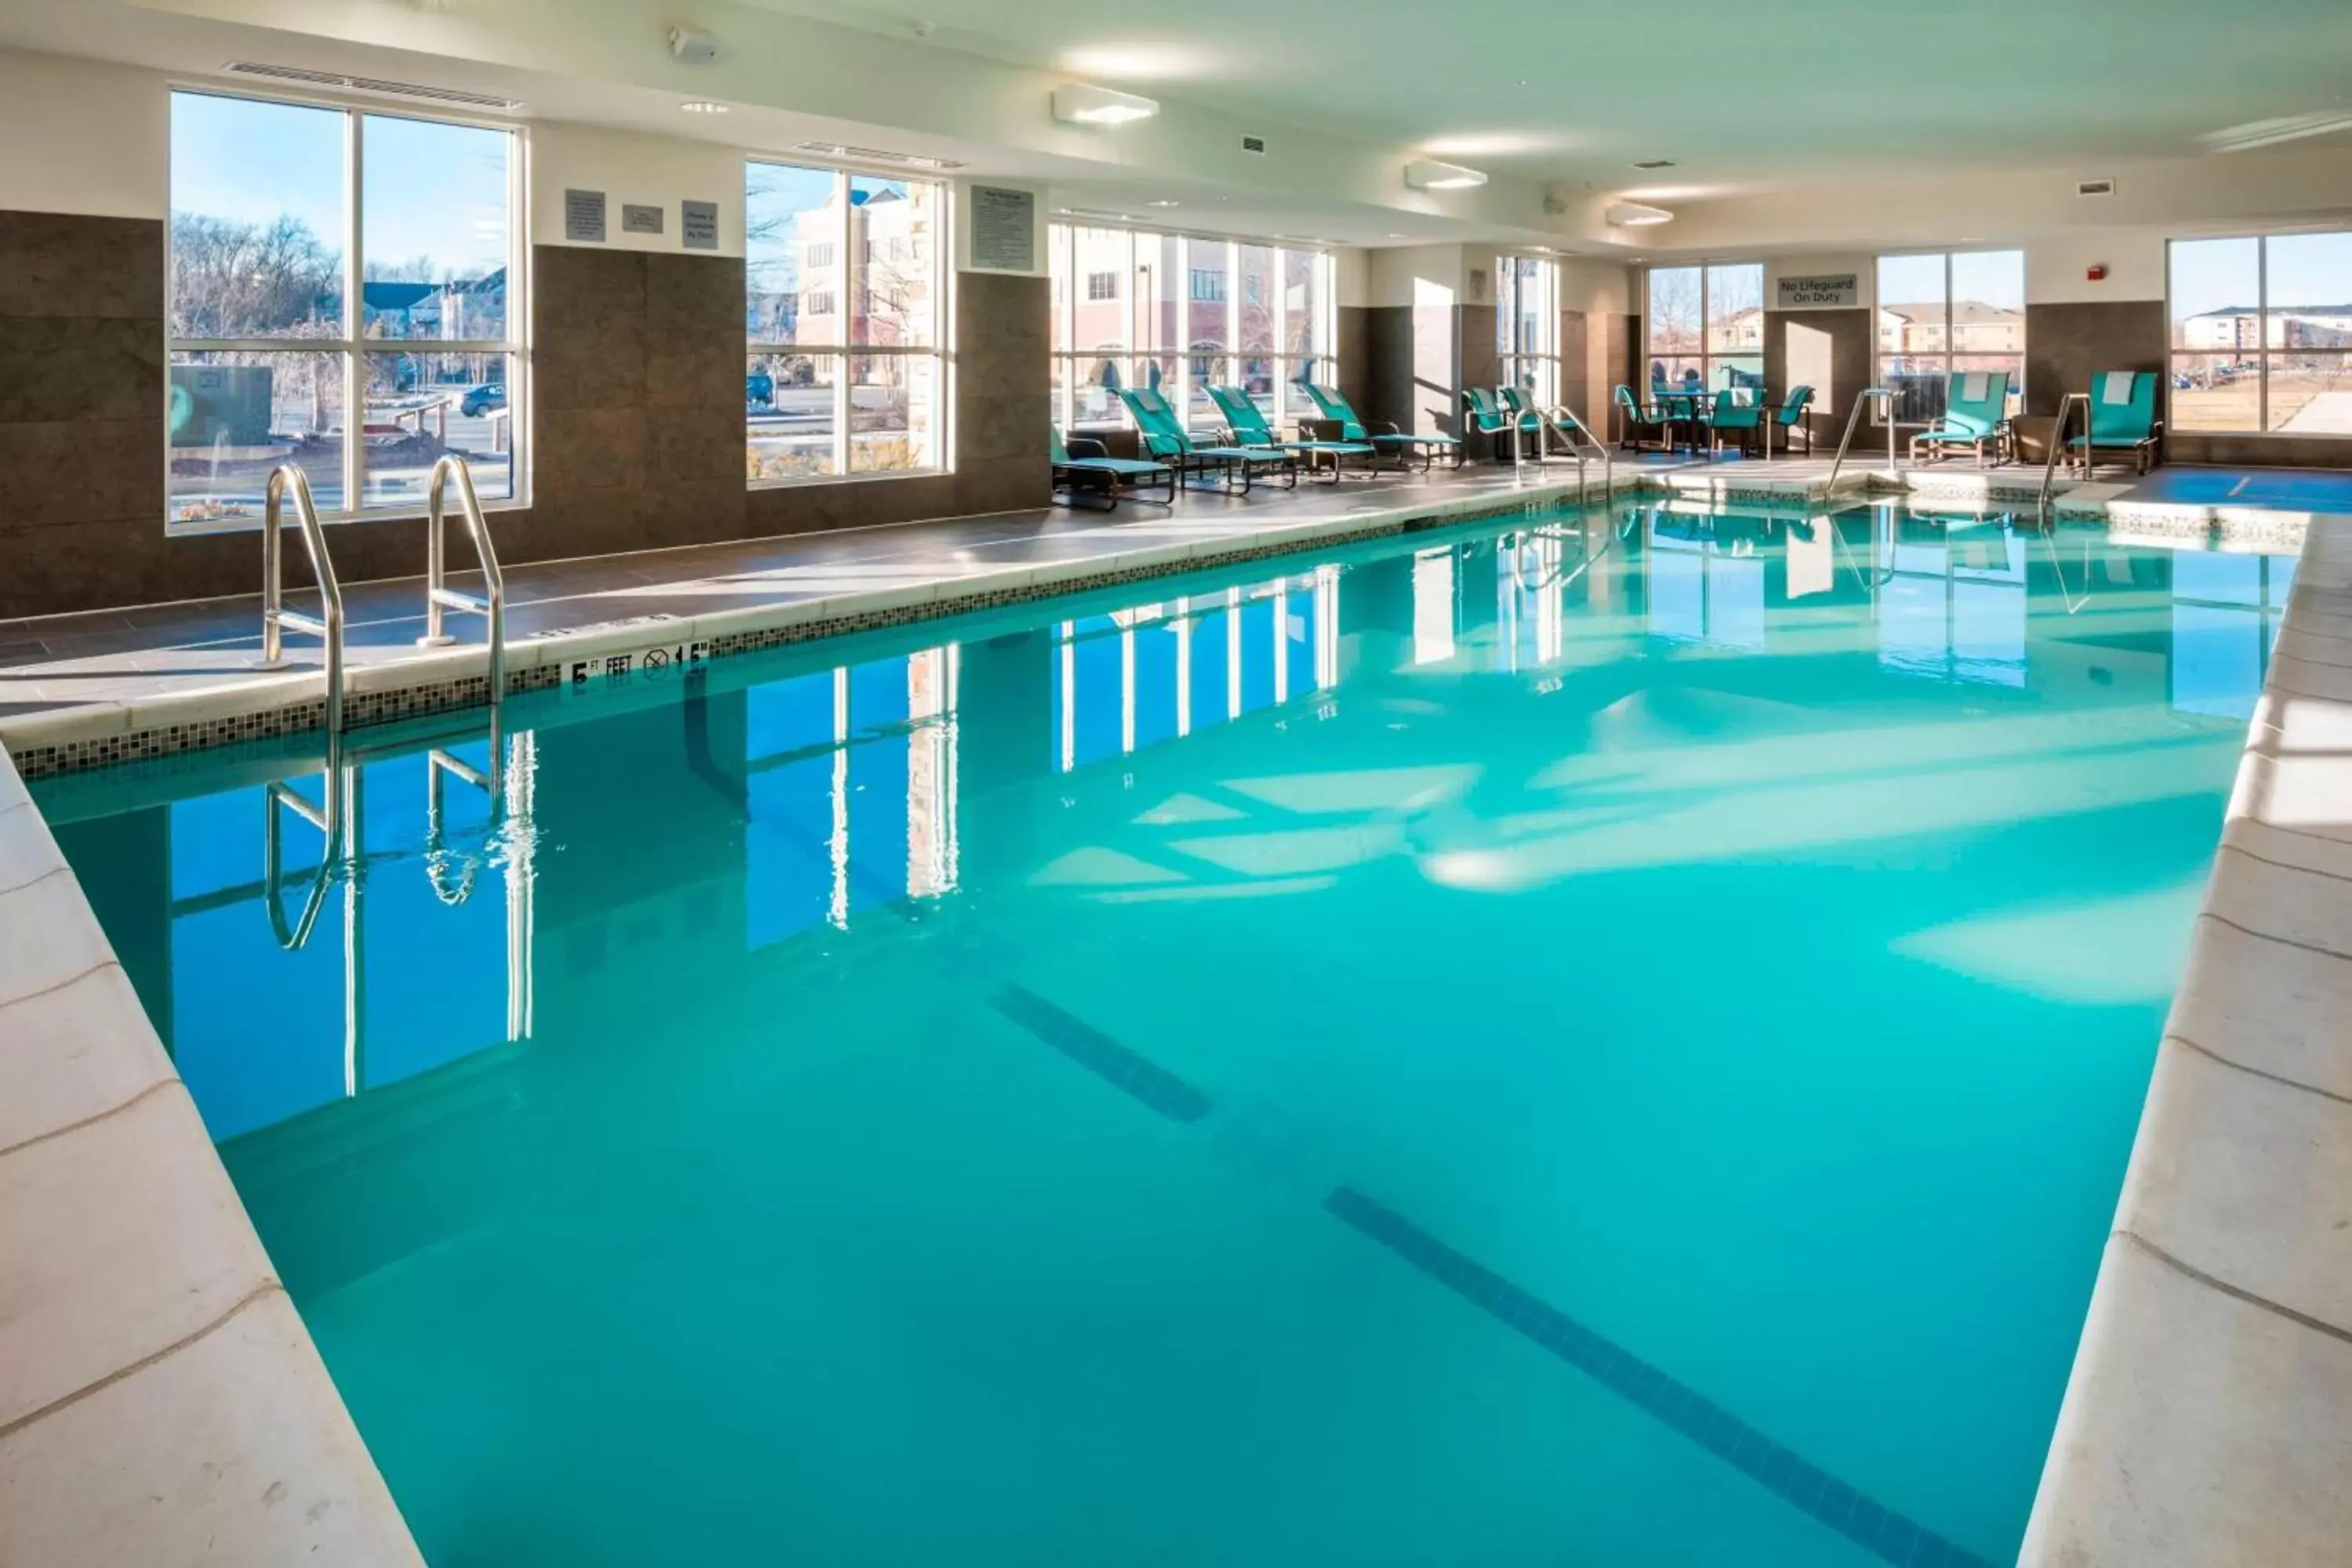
[702, 106]
[1167, 204]
[876, 155]
[1429, 174]
[1082, 105]
[1636, 214]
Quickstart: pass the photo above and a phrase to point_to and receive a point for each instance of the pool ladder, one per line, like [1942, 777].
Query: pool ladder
[1562, 424]
[327, 625]
[1869, 394]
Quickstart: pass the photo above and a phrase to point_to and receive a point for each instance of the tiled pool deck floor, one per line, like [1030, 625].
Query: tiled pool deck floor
[160, 1400]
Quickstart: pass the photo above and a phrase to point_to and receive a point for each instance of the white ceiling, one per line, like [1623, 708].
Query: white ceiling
[1742, 94]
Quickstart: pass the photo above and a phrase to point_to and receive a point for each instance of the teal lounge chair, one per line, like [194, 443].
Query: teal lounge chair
[1788, 416]
[1634, 416]
[2123, 419]
[1165, 439]
[1486, 415]
[1097, 473]
[1746, 419]
[1335, 407]
[1976, 415]
[1245, 424]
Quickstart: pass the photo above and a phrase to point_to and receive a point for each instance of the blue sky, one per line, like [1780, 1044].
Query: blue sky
[432, 190]
[2304, 269]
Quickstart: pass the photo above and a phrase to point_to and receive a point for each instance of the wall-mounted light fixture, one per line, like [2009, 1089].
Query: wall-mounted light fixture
[1429, 174]
[1634, 215]
[1083, 105]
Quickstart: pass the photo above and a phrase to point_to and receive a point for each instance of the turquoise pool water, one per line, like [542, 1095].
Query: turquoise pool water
[1608, 1039]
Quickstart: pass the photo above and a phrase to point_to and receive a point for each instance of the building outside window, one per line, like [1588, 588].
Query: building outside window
[2262, 335]
[1526, 326]
[847, 375]
[1102, 285]
[324, 259]
[1192, 313]
[1706, 327]
[1945, 314]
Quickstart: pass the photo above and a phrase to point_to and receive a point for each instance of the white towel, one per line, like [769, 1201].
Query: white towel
[2116, 387]
[1972, 387]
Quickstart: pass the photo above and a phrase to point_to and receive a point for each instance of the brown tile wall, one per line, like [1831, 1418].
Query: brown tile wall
[1355, 352]
[2066, 345]
[637, 421]
[81, 409]
[1829, 350]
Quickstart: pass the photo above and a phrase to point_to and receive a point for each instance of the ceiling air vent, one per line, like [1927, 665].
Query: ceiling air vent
[1254, 145]
[876, 155]
[343, 83]
[2095, 187]
[1655, 164]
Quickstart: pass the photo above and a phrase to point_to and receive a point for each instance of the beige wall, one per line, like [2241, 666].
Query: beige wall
[81, 137]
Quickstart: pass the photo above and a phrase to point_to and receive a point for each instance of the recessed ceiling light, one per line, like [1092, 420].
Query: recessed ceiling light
[1429, 174]
[1655, 164]
[702, 106]
[1633, 215]
[1083, 105]
[1167, 204]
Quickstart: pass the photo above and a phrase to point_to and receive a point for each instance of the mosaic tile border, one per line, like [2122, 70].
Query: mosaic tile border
[369, 709]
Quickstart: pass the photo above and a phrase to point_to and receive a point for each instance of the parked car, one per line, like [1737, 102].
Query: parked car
[482, 399]
[758, 389]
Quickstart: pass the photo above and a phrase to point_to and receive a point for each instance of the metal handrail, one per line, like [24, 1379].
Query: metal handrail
[439, 597]
[1562, 420]
[2058, 444]
[276, 618]
[1853, 418]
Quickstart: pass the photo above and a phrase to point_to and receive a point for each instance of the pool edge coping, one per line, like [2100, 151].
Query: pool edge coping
[157, 1355]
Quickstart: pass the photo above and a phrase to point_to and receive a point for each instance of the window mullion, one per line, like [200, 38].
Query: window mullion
[2262, 328]
[355, 317]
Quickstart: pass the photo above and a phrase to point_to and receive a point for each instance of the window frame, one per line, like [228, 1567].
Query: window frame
[1066, 358]
[1706, 354]
[939, 350]
[2262, 353]
[352, 344]
[1949, 353]
[1545, 357]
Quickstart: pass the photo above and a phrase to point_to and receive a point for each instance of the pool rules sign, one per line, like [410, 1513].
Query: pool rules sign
[1822, 291]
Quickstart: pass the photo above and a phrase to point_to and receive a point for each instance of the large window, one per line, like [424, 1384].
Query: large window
[1526, 326]
[1706, 327]
[324, 259]
[845, 316]
[2261, 332]
[1945, 314]
[1185, 314]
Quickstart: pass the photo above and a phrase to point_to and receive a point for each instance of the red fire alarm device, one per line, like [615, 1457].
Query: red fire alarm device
[2099, 273]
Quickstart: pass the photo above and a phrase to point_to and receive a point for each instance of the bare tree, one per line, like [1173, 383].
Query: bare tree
[245, 279]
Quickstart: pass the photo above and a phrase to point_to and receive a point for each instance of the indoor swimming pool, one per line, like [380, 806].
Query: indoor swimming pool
[1504, 1045]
